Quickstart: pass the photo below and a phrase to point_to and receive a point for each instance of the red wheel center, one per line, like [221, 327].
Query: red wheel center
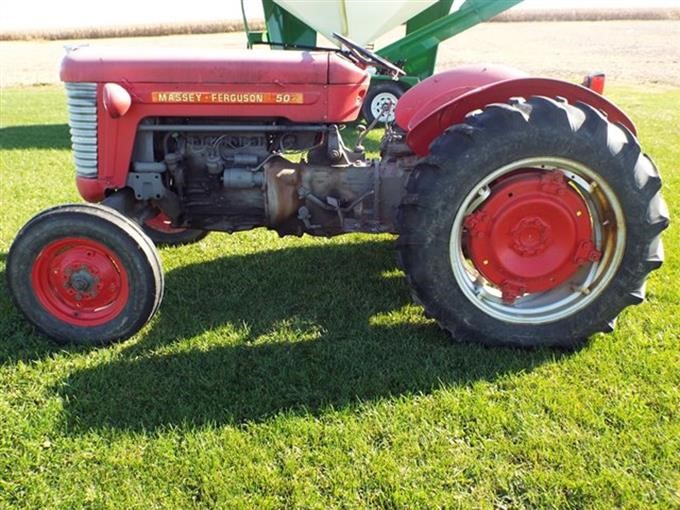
[530, 234]
[80, 281]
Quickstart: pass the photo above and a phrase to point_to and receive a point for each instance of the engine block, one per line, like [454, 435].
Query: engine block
[217, 177]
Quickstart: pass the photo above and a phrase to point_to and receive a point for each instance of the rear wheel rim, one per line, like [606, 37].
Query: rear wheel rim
[579, 289]
[80, 281]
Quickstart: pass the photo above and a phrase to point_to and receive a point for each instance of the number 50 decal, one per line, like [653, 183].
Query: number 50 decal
[289, 98]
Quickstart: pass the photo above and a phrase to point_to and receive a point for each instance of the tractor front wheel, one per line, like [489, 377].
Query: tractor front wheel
[84, 274]
[162, 233]
[533, 223]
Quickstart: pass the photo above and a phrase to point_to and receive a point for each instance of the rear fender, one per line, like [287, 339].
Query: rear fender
[441, 88]
[425, 125]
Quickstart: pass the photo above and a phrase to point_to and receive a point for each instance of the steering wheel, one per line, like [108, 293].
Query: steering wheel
[368, 57]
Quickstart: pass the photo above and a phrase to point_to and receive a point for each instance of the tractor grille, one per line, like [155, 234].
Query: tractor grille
[82, 119]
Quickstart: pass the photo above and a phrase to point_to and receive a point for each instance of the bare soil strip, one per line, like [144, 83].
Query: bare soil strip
[635, 13]
[222, 26]
[630, 52]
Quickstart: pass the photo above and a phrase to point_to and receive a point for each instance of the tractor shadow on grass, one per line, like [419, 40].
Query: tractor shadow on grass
[38, 136]
[299, 330]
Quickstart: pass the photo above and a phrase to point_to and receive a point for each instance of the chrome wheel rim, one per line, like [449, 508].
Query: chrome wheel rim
[583, 287]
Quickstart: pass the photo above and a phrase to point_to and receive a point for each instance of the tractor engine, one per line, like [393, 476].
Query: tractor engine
[292, 178]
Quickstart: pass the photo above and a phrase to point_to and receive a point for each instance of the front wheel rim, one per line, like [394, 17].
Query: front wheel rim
[80, 281]
[163, 224]
[582, 287]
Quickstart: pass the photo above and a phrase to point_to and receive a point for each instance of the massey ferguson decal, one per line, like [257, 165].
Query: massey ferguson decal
[228, 97]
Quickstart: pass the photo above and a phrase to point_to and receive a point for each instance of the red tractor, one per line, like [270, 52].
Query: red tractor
[526, 211]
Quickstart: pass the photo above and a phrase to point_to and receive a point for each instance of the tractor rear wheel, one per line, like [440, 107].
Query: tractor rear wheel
[162, 233]
[84, 274]
[532, 223]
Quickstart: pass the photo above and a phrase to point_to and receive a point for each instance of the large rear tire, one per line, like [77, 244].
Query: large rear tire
[532, 223]
[84, 274]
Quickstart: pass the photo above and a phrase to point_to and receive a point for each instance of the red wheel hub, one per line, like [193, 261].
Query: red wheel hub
[162, 223]
[80, 281]
[531, 235]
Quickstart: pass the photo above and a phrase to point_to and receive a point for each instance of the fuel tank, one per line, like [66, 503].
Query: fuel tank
[206, 65]
[300, 86]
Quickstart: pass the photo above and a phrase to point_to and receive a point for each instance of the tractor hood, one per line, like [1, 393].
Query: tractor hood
[165, 65]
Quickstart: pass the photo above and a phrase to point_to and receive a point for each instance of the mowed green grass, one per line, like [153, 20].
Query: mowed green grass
[296, 373]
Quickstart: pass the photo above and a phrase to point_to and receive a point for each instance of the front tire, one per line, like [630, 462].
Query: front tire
[84, 274]
[533, 223]
[162, 233]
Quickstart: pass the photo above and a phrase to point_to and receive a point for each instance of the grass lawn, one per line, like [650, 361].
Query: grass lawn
[287, 373]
